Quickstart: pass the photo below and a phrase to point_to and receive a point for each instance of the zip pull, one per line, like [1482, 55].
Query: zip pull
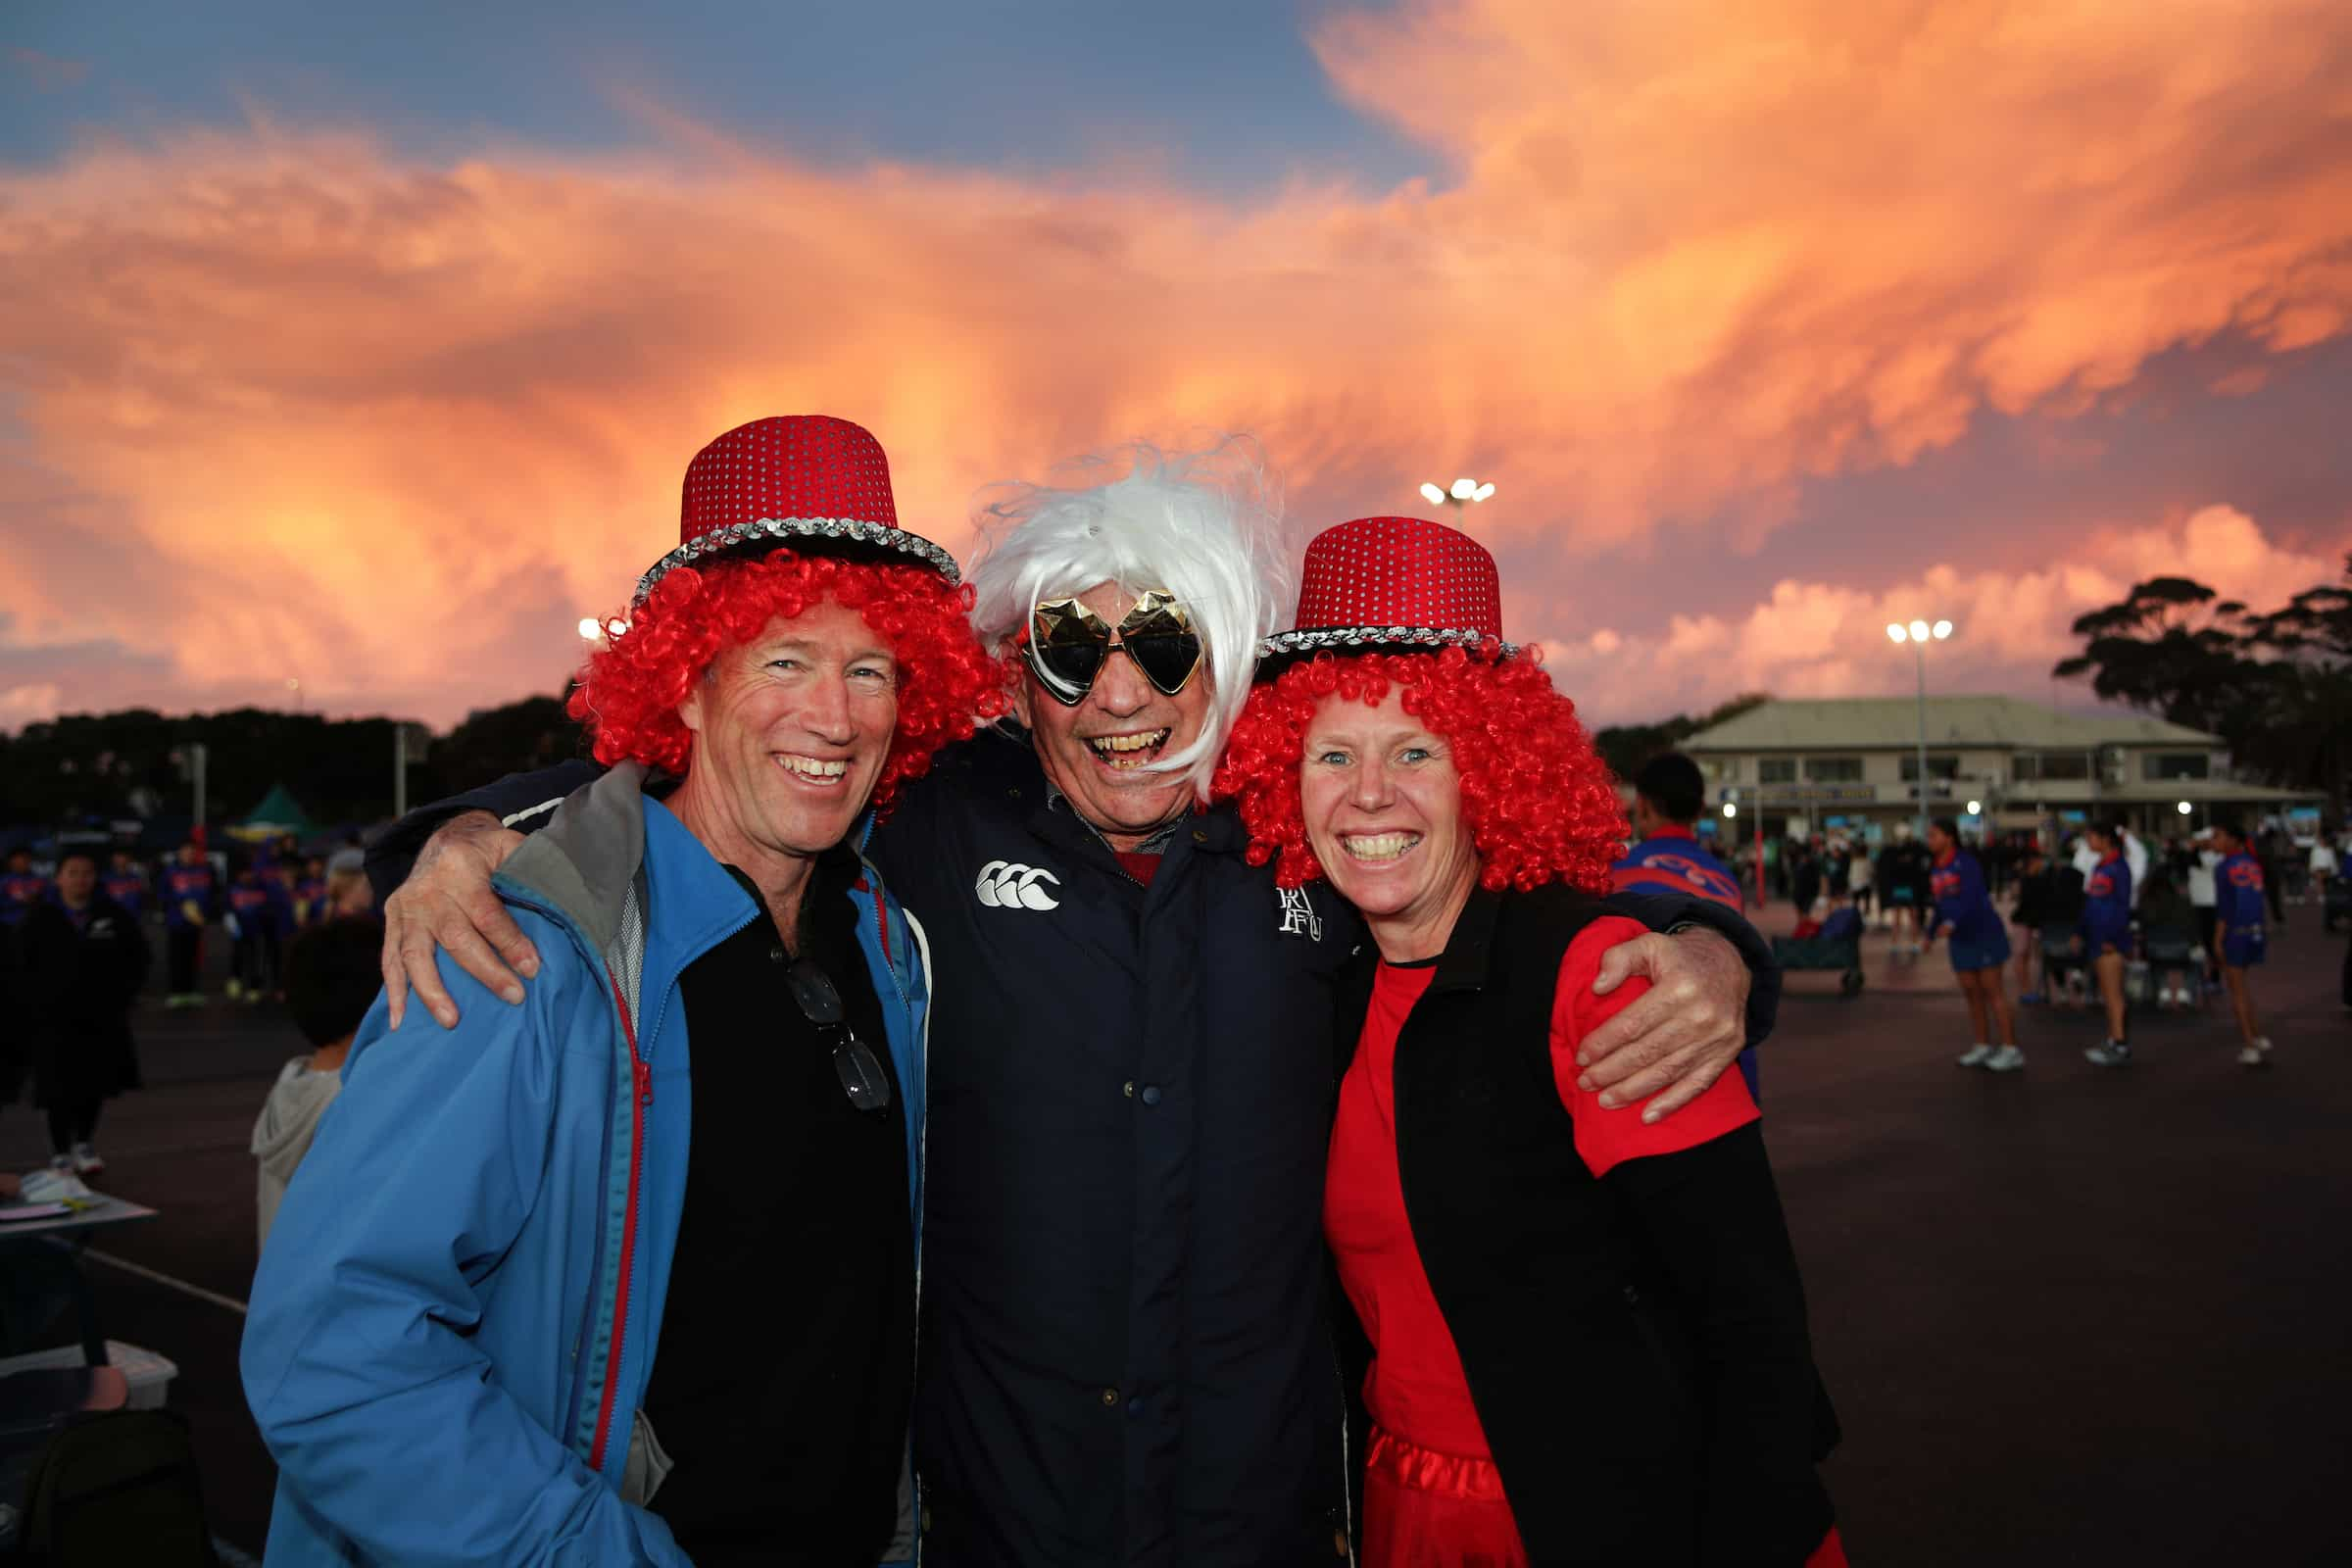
[645, 1079]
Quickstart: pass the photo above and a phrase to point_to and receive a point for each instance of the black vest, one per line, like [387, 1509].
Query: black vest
[1582, 1370]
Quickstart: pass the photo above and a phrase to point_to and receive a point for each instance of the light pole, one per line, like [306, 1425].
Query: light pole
[1919, 634]
[1465, 493]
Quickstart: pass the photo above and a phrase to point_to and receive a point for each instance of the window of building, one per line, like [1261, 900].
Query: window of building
[1941, 764]
[1775, 770]
[1834, 769]
[2053, 766]
[2155, 766]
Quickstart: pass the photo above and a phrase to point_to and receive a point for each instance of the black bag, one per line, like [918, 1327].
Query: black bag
[113, 1490]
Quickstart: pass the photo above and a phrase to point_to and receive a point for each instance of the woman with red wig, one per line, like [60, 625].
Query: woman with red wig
[1587, 1330]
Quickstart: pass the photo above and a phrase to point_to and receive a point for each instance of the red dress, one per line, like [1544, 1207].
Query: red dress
[1433, 1497]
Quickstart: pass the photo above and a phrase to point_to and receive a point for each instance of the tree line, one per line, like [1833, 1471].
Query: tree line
[2275, 685]
[134, 762]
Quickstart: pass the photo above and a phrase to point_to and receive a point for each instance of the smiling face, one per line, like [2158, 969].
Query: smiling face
[791, 730]
[1094, 752]
[1382, 805]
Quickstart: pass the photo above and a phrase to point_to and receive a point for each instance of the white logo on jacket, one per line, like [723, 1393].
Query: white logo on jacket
[1298, 917]
[1009, 885]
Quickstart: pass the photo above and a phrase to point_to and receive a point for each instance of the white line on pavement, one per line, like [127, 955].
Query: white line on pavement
[160, 1278]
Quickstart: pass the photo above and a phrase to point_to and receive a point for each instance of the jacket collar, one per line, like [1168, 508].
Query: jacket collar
[583, 863]
[1470, 950]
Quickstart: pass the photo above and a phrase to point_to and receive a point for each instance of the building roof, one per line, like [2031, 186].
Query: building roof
[1872, 724]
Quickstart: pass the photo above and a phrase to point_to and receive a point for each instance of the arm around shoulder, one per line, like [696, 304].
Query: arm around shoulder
[510, 800]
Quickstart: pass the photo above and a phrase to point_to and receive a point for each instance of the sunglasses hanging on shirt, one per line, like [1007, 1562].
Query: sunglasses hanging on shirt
[1067, 645]
[853, 1062]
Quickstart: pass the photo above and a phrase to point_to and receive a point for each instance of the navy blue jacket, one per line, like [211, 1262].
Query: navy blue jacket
[1126, 1354]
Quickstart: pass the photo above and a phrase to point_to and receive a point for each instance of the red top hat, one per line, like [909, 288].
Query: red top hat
[807, 481]
[1392, 585]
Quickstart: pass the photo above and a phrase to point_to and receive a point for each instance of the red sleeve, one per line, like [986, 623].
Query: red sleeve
[1609, 1138]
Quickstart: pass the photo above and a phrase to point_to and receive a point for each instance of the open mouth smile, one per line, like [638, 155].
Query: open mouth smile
[1124, 754]
[1377, 849]
[815, 772]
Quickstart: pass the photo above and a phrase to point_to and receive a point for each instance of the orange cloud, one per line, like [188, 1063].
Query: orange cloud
[296, 405]
[1817, 639]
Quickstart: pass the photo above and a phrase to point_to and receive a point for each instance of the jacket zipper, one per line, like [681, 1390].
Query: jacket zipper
[641, 1081]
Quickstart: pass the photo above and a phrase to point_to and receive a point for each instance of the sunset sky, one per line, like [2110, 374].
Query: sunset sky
[366, 346]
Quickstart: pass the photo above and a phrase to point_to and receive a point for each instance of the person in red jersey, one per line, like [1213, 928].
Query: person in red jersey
[1587, 1329]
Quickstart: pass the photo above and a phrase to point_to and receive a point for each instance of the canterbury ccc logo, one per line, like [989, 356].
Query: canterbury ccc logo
[1009, 885]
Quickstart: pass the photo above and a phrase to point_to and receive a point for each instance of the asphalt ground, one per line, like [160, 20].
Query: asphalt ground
[2069, 1316]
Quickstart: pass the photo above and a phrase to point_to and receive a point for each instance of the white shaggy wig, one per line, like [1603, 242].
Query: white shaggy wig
[1206, 526]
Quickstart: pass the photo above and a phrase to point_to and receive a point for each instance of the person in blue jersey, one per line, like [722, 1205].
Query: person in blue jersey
[2237, 901]
[1979, 945]
[252, 921]
[125, 884]
[1669, 793]
[2106, 939]
[625, 1274]
[22, 888]
[188, 892]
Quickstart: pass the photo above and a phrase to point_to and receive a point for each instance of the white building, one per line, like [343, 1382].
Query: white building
[1852, 763]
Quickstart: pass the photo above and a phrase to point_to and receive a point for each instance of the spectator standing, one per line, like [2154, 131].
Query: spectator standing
[2270, 853]
[21, 892]
[2322, 868]
[22, 888]
[332, 977]
[2203, 858]
[84, 962]
[310, 896]
[1978, 946]
[253, 914]
[1858, 876]
[126, 884]
[190, 898]
[2239, 893]
[2107, 937]
[1902, 888]
[2032, 890]
[2168, 939]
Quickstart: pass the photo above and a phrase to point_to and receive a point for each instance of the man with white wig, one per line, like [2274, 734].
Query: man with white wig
[1126, 1353]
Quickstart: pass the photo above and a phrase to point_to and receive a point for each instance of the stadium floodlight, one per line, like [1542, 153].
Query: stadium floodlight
[2183, 808]
[1975, 807]
[1731, 808]
[1463, 492]
[1919, 634]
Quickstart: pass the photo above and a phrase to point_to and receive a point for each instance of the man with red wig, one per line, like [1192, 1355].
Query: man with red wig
[512, 1309]
[1127, 1357]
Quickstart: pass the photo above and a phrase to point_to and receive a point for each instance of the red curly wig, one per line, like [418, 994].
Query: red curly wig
[1540, 803]
[628, 693]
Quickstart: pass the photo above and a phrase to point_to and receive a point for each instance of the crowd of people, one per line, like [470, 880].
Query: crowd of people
[77, 947]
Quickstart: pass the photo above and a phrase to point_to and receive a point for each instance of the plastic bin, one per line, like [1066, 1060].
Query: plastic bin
[149, 1374]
